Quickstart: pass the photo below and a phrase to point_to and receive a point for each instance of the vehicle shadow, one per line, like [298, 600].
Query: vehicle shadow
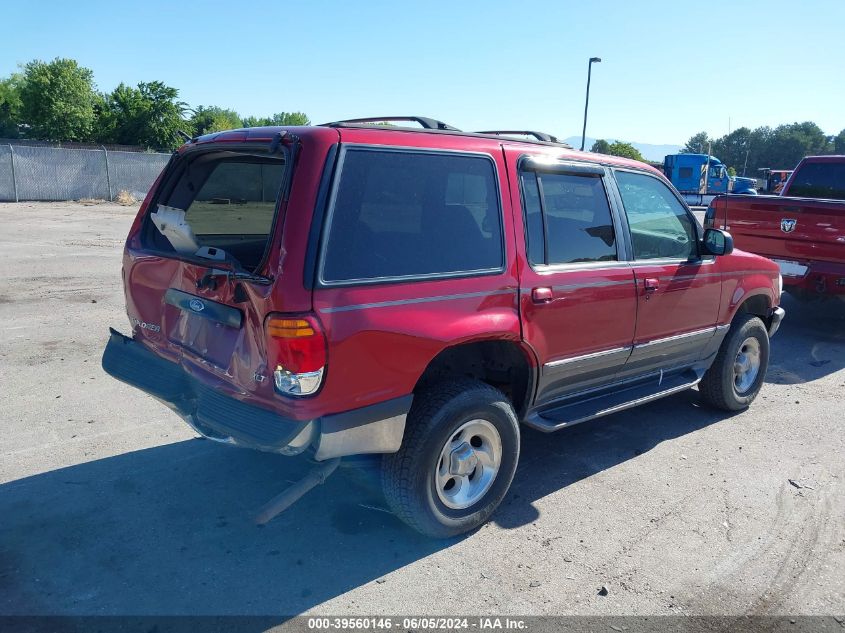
[168, 530]
[810, 343]
[550, 462]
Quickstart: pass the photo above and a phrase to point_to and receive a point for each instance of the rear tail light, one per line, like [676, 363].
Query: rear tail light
[296, 348]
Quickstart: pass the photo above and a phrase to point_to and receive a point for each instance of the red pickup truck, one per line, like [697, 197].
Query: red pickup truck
[802, 230]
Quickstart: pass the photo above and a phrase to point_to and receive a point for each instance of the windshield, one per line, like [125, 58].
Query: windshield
[819, 180]
[221, 207]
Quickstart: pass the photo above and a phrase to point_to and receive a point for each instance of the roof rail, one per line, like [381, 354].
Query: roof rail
[540, 136]
[425, 122]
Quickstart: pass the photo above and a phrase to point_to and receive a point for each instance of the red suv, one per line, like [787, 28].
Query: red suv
[350, 289]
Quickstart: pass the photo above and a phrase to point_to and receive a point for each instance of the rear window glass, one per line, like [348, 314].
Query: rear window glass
[819, 180]
[236, 199]
[229, 201]
[412, 213]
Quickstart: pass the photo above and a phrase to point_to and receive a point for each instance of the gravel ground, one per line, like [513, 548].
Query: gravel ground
[109, 504]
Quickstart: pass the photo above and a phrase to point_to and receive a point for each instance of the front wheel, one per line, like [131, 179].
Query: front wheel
[736, 376]
[457, 459]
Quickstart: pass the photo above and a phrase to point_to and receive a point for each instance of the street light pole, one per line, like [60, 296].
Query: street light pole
[587, 102]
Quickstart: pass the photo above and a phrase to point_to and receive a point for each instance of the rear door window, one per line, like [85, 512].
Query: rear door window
[568, 219]
[410, 213]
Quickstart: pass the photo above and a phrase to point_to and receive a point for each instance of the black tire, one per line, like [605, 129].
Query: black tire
[408, 476]
[718, 387]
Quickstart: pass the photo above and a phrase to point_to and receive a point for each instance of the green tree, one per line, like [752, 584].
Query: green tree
[600, 147]
[280, 118]
[10, 106]
[148, 115]
[57, 100]
[697, 144]
[731, 149]
[208, 119]
[789, 143]
[839, 143]
[626, 150]
[747, 150]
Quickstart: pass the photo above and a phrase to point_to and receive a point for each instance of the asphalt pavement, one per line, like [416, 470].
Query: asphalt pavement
[109, 504]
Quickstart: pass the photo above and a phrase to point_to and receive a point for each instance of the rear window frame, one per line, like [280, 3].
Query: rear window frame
[345, 148]
[174, 170]
[542, 164]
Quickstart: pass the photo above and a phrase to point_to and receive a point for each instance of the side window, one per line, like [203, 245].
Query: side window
[574, 212]
[533, 218]
[400, 214]
[660, 226]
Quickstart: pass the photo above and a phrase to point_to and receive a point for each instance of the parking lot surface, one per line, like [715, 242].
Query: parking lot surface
[109, 504]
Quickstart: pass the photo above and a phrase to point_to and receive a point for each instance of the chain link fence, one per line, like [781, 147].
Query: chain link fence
[52, 173]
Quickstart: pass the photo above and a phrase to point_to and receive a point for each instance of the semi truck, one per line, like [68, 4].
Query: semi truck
[701, 177]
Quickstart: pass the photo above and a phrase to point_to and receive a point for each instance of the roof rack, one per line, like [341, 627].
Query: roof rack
[425, 122]
[540, 136]
[434, 126]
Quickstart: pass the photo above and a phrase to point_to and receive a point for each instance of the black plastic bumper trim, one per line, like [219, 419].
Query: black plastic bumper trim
[209, 411]
[219, 416]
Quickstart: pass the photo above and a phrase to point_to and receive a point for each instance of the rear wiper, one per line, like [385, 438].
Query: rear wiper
[235, 273]
[209, 279]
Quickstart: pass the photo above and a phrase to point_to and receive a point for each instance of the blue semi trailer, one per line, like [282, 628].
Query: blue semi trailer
[701, 177]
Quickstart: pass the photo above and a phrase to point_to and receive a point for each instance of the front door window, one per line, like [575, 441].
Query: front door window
[660, 226]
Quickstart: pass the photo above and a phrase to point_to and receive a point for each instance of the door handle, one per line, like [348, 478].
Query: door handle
[541, 295]
[651, 284]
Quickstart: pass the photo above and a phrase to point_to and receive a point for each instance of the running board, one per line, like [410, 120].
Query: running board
[556, 418]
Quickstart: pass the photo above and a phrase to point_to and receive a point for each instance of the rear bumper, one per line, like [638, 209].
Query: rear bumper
[374, 429]
[813, 277]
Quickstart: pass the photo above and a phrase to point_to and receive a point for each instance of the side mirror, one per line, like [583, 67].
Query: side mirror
[718, 242]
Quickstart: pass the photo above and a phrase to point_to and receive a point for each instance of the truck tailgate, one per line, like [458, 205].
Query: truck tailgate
[789, 228]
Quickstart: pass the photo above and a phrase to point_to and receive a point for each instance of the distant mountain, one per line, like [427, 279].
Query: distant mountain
[651, 152]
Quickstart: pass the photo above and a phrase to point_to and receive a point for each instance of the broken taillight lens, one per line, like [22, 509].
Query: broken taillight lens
[296, 349]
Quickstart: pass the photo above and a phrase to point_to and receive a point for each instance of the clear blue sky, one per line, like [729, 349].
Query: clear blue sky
[669, 69]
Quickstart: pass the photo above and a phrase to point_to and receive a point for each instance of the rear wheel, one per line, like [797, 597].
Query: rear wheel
[737, 374]
[457, 459]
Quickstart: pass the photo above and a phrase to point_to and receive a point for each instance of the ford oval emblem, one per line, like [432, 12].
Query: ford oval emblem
[196, 305]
